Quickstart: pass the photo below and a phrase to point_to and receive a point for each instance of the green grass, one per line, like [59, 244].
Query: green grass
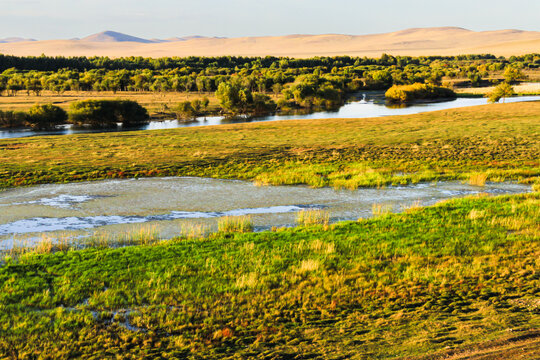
[408, 285]
[501, 140]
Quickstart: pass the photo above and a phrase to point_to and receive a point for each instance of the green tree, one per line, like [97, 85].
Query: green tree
[501, 91]
[513, 74]
[205, 102]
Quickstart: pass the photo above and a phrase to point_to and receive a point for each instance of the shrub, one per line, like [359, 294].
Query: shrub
[185, 110]
[12, 119]
[42, 117]
[407, 93]
[107, 113]
[263, 104]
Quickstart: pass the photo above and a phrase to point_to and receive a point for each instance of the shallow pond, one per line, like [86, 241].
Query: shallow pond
[365, 105]
[120, 206]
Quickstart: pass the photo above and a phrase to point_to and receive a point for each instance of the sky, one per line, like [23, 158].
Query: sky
[64, 19]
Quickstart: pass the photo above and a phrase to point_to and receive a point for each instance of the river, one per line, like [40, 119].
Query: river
[364, 105]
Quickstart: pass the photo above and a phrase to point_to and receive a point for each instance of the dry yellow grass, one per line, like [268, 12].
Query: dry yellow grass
[478, 179]
[525, 88]
[154, 102]
[313, 217]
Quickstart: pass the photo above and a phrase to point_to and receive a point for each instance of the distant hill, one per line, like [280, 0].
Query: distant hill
[412, 42]
[14, 39]
[113, 36]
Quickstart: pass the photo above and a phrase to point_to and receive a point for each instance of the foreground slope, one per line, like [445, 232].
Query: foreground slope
[413, 42]
[458, 280]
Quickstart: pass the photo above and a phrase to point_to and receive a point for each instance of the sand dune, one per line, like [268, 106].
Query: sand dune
[414, 42]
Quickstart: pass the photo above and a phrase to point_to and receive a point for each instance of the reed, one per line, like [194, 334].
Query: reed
[478, 179]
[313, 217]
[381, 209]
[230, 224]
[191, 230]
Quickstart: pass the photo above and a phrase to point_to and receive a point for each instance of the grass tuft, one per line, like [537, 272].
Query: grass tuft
[381, 209]
[313, 217]
[478, 179]
[230, 224]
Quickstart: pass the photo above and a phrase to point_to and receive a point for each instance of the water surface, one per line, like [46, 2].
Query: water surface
[117, 206]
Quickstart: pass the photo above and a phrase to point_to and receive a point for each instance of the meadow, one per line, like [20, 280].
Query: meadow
[158, 104]
[491, 142]
[458, 280]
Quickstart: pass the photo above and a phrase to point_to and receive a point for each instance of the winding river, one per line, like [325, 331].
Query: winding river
[364, 105]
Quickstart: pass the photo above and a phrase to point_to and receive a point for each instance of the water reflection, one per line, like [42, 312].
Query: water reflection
[362, 105]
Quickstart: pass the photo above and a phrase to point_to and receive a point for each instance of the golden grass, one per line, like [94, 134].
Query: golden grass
[191, 230]
[478, 179]
[381, 209]
[242, 224]
[415, 206]
[313, 217]
[520, 89]
[308, 266]
[155, 102]
[476, 214]
[247, 281]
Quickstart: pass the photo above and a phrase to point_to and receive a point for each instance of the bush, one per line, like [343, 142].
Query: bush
[263, 104]
[407, 93]
[107, 113]
[43, 117]
[12, 119]
[185, 111]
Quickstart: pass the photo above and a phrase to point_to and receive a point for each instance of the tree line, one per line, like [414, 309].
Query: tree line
[249, 84]
[333, 77]
[81, 63]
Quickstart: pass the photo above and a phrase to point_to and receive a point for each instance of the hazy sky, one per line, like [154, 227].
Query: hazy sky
[53, 19]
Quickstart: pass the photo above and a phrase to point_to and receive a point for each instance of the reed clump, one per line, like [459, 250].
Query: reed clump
[191, 230]
[478, 179]
[240, 224]
[313, 217]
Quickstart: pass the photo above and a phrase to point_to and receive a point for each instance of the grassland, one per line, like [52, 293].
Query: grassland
[458, 280]
[494, 142]
[521, 89]
[157, 103]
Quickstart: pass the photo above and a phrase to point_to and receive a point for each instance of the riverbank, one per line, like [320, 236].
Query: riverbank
[497, 142]
[462, 270]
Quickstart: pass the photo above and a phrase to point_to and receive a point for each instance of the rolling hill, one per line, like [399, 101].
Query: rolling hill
[413, 42]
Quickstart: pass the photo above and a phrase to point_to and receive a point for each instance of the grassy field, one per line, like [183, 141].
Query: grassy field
[156, 103]
[492, 142]
[458, 280]
[520, 89]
